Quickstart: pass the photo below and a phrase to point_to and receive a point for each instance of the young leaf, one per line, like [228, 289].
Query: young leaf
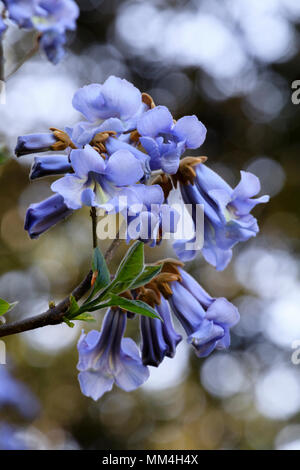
[6, 306]
[85, 317]
[74, 307]
[147, 275]
[130, 268]
[134, 306]
[99, 266]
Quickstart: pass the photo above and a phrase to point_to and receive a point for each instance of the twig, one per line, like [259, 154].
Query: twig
[93, 215]
[28, 56]
[54, 316]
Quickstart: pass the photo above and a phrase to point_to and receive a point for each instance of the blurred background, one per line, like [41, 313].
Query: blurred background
[232, 63]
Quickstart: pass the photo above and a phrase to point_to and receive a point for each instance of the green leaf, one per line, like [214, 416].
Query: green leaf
[147, 275]
[85, 317]
[129, 270]
[99, 265]
[131, 267]
[74, 307]
[6, 306]
[134, 306]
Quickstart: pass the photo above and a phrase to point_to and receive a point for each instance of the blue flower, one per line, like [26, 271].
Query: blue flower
[95, 180]
[159, 338]
[122, 143]
[106, 358]
[52, 42]
[227, 218]
[51, 18]
[50, 165]
[165, 141]
[144, 210]
[15, 394]
[21, 11]
[206, 320]
[43, 215]
[115, 106]
[34, 143]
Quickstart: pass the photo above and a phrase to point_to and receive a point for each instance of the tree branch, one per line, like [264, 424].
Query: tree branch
[54, 316]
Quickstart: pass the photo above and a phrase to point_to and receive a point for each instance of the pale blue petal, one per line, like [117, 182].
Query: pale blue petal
[123, 168]
[155, 121]
[88, 198]
[130, 372]
[85, 161]
[195, 288]
[122, 99]
[190, 130]
[70, 188]
[95, 383]
[223, 312]
[248, 187]
[89, 100]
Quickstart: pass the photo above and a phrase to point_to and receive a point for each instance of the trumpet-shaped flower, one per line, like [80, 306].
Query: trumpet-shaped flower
[106, 358]
[206, 320]
[41, 216]
[50, 165]
[144, 210]
[159, 338]
[115, 106]
[165, 141]
[95, 180]
[51, 18]
[227, 218]
[34, 143]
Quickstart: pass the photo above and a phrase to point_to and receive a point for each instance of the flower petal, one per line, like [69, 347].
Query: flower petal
[155, 121]
[191, 130]
[130, 372]
[49, 165]
[122, 99]
[223, 312]
[123, 168]
[85, 161]
[70, 188]
[95, 383]
[89, 100]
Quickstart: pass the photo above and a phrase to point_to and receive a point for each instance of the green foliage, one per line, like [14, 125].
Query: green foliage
[146, 276]
[134, 306]
[131, 274]
[99, 266]
[6, 307]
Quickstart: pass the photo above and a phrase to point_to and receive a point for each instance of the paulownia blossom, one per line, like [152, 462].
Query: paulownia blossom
[106, 358]
[125, 158]
[50, 18]
[166, 141]
[227, 218]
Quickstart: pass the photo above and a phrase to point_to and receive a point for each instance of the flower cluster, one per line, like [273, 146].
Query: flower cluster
[106, 357]
[108, 159]
[50, 18]
[125, 157]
